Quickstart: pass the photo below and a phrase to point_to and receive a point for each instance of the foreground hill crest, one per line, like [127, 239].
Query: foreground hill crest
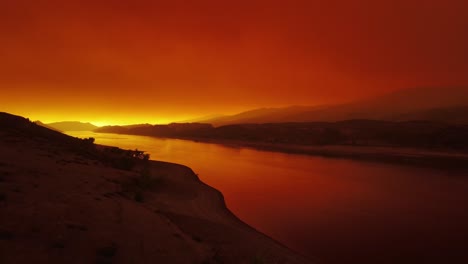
[67, 200]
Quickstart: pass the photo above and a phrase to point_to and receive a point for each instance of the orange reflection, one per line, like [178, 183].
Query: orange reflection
[321, 206]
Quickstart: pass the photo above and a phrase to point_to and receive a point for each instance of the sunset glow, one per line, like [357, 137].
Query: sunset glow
[124, 62]
[241, 131]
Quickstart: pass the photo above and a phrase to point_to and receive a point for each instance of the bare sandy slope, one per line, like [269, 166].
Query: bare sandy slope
[60, 207]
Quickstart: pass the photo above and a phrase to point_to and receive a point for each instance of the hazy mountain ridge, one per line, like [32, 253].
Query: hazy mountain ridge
[264, 115]
[72, 126]
[418, 117]
[171, 130]
[202, 118]
[46, 126]
[433, 104]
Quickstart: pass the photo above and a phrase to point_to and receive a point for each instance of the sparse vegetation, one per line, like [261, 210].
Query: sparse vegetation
[145, 181]
[76, 226]
[58, 244]
[89, 140]
[258, 259]
[197, 238]
[138, 196]
[124, 163]
[6, 235]
[107, 252]
[122, 159]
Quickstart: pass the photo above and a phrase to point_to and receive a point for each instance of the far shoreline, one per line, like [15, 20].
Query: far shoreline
[429, 158]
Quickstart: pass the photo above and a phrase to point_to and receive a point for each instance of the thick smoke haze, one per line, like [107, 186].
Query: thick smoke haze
[160, 61]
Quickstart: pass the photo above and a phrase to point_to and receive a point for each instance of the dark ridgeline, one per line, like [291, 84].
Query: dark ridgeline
[16, 128]
[414, 134]
[171, 130]
[433, 118]
[20, 126]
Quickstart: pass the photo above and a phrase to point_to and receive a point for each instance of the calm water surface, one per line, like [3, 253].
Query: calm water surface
[335, 210]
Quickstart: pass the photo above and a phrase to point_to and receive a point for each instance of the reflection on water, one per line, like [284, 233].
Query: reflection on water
[338, 210]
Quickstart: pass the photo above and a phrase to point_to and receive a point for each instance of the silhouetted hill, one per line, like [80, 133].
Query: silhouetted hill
[137, 125]
[418, 134]
[264, 115]
[428, 103]
[67, 200]
[46, 126]
[171, 130]
[24, 127]
[72, 126]
[203, 118]
[456, 114]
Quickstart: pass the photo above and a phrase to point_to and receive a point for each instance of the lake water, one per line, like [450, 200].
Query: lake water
[335, 210]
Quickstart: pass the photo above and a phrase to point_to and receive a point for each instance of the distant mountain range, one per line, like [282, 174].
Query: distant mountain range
[46, 126]
[410, 134]
[447, 105]
[434, 104]
[69, 126]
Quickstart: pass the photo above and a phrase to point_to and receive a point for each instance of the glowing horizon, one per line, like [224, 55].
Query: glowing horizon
[121, 62]
[105, 122]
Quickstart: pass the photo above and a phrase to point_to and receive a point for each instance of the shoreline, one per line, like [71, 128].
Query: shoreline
[393, 155]
[223, 206]
[65, 204]
[430, 158]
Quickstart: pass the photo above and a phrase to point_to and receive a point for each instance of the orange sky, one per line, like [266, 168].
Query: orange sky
[157, 61]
